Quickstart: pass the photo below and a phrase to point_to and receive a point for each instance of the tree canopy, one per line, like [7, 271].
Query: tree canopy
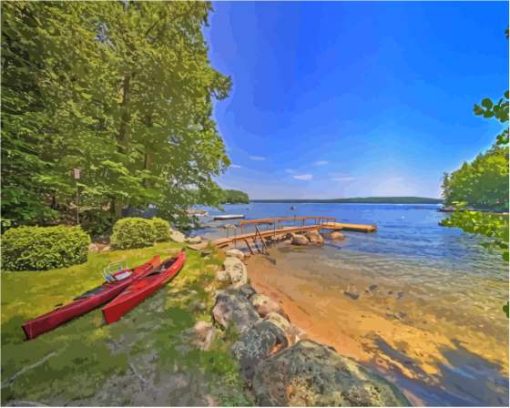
[122, 91]
[235, 197]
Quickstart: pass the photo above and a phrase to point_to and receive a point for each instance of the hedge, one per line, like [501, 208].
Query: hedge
[41, 248]
[162, 228]
[133, 233]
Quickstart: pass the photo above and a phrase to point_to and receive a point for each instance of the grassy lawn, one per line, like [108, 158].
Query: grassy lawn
[144, 359]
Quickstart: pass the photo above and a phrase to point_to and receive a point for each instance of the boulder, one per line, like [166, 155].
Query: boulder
[314, 237]
[236, 271]
[236, 253]
[337, 235]
[264, 304]
[203, 334]
[312, 374]
[247, 290]
[298, 239]
[292, 333]
[202, 247]
[106, 248]
[223, 276]
[254, 345]
[352, 292]
[194, 240]
[233, 309]
[177, 236]
[93, 247]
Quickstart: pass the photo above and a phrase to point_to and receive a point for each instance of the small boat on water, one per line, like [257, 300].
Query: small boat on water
[197, 213]
[228, 217]
[143, 288]
[114, 284]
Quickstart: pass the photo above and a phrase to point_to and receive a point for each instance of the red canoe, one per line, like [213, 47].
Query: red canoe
[88, 300]
[143, 288]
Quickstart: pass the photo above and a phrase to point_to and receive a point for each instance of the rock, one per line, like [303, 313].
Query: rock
[292, 333]
[298, 239]
[93, 247]
[264, 304]
[202, 247]
[236, 271]
[236, 253]
[223, 276]
[203, 335]
[177, 236]
[337, 235]
[312, 374]
[233, 309]
[314, 237]
[194, 240]
[260, 341]
[352, 292]
[279, 321]
[246, 290]
[106, 248]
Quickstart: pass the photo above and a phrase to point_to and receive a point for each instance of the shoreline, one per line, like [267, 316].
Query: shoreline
[401, 343]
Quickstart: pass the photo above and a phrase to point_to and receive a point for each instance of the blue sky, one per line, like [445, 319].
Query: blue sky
[354, 98]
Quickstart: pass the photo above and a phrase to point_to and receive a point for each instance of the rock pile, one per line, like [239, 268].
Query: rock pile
[276, 360]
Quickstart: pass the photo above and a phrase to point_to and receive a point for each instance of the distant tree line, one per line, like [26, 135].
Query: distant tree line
[122, 91]
[360, 200]
[235, 197]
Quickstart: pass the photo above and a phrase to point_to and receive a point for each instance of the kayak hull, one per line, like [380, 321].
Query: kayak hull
[85, 303]
[138, 291]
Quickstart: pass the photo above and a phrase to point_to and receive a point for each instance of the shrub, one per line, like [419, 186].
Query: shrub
[41, 248]
[133, 233]
[162, 228]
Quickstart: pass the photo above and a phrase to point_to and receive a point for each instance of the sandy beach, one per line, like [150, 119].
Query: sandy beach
[381, 326]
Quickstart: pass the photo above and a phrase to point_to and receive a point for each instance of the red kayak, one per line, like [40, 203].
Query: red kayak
[143, 288]
[88, 301]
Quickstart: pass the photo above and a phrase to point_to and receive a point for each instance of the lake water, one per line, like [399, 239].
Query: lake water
[434, 322]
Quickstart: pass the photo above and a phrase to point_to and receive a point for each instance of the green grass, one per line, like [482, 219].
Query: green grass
[85, 353]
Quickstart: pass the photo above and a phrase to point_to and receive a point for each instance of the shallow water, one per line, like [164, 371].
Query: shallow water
[432, 321]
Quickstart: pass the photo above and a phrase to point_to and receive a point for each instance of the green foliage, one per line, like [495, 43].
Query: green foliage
[162, 229]
[481, 184]
[235, 197]
[41, 248]
[133, 233]
[497, 110]
[492, 226]
[122, 90]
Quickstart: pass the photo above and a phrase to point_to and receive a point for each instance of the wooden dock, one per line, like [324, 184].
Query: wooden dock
[280, 230]
[350, 227]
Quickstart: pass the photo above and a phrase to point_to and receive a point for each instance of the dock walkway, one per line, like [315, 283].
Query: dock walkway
[279, 229]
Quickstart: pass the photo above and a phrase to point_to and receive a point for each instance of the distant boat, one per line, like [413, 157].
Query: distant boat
[446, 209]
[292, 207]
[228, 217]
[197, 213]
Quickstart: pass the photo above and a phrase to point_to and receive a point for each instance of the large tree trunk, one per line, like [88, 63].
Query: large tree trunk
[123, 135]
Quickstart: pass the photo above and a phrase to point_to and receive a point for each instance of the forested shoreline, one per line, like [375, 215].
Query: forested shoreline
[107, 106]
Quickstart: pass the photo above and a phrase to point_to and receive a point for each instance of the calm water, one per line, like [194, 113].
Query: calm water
[445, 274]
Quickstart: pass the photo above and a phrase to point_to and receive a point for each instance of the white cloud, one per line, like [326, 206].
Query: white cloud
[303, 177]
[235, 166]
[321, 162]
[257, 158]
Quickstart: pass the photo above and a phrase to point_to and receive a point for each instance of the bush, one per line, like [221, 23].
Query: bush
[41, 248]
[162, 228]
[133, 233]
